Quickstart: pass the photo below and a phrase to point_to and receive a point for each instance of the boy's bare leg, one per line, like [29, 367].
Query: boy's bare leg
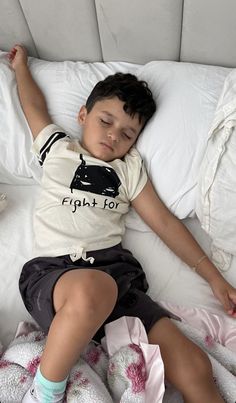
[83, 299]
[187, 367]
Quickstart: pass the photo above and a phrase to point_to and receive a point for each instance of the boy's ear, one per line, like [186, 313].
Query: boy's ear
[82, 115]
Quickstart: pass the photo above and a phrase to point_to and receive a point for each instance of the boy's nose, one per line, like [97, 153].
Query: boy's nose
[113, 135]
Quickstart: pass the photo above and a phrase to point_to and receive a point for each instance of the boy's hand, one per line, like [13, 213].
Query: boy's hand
[17, 56]
[226, 294]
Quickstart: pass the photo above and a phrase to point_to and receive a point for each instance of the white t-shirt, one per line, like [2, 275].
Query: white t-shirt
[83, 199]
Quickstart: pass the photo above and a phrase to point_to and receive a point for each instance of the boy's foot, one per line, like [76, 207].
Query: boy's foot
[31, 397]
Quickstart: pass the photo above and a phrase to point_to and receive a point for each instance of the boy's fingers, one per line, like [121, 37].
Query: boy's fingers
[229, 305]
[10, 56]
[15, 49]
[18, 47]
[232, 312]
[233, 307]
[13, 52]
[226, 303]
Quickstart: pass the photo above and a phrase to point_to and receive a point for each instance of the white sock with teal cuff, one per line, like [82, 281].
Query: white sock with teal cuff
[45, 391]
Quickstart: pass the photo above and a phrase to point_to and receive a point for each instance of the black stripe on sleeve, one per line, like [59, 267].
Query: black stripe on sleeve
[47, 146]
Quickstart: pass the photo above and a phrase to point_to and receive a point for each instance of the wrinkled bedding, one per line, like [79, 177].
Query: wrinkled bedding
[171, 282]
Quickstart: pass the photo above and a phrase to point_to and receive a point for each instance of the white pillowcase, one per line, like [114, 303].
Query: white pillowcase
[216, 201]
[174, 142]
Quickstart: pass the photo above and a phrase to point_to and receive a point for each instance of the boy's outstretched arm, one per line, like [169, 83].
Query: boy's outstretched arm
[31, 97]
[177, 237]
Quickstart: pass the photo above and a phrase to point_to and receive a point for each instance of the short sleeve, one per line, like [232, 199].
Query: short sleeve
[45, 141]
[136, 174]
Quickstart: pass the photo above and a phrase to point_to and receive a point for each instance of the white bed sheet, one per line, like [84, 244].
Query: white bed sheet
[170, 279]
[16, 236]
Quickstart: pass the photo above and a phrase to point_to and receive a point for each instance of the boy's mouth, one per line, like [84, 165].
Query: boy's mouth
[107, 146]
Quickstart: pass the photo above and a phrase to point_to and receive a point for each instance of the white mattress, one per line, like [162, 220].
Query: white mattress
[170, 279]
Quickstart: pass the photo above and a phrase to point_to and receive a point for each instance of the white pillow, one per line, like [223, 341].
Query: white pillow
[3, 201]
[174, 141]
[216, 201]
[15, 136]
[66, 86]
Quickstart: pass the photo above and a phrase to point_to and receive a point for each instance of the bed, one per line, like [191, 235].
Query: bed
[185, 50]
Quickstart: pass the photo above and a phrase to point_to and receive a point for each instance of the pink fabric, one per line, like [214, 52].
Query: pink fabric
[130, 330]
[218, 326]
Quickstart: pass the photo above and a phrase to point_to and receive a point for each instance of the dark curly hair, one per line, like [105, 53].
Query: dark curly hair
[134, 93]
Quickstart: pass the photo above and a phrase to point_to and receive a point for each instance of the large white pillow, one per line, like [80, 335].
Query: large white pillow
[15, 136]
[66, 86]
[216, 198]
[174, 142]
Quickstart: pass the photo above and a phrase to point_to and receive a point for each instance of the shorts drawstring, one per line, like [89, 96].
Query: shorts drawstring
[83, 255]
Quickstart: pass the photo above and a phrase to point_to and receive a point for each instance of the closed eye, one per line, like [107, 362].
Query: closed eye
[126, 136]
[105, 122]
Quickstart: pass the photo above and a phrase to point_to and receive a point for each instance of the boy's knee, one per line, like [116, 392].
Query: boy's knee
[192, 364]
[95, 294]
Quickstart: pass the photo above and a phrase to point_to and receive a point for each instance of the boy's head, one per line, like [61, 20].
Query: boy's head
[135, 94]
[115, 113]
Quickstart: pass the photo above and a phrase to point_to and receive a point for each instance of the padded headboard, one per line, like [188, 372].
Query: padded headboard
[136, 31]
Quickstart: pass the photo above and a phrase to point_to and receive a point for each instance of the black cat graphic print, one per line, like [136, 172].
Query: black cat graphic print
[101, 180]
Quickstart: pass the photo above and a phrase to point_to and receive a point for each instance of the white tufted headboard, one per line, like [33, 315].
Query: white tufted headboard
[136, 31]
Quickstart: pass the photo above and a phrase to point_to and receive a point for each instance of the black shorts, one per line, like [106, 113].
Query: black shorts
[39, 276]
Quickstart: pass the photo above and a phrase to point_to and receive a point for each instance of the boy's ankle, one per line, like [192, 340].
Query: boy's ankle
[31, 397]
[44, 391]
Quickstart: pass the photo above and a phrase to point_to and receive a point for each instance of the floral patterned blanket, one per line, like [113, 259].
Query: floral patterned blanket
[103, 374]
[130, 373]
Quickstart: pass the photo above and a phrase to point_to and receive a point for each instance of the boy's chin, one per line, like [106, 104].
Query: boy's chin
[103, 154]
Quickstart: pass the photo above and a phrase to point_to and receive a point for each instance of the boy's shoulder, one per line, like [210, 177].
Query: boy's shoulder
[50, 130]
[133, 156]
[53, 138]
[50, 135]
[130, 164]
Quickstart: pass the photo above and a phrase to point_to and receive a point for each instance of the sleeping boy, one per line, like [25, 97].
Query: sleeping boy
[81, 277]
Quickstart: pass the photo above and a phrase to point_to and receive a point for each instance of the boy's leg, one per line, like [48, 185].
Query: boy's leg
[82, 299]
[187, 367]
